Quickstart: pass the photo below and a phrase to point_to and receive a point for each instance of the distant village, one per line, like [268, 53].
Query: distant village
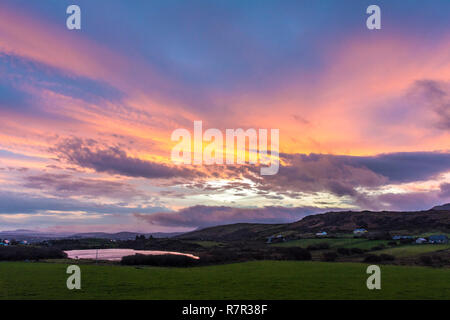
[361, 232]
[6, 242]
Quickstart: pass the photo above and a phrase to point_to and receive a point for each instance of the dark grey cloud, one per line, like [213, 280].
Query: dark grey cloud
[340, 175]
[206, 216]
[408, 201]
[403, 166]
[319, 173]
[67, 185]
[112, 159]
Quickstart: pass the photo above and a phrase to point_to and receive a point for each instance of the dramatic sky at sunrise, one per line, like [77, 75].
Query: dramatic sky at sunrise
[86, 116]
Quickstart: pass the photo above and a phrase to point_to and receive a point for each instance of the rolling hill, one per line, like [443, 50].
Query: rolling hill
[121, 235]
[334, 222]
[442, 207]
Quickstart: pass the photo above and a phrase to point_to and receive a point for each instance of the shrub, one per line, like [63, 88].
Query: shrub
[372, 258]
[20, 253]
[329, 256]
[163, 260]
[319, 246]
[378, 235]
[426, 260]
[435, 257]
[296, 253]
[387, 257]
[356, 251]
[392, 243]
[221, 255]
[344, 251]
[406, 241]
[211, 258]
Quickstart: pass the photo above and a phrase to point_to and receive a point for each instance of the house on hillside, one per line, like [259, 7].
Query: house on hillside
[438, 239]
[359, 231]
[275, 239]
[421, 240]
[402, 237]
[321, 234]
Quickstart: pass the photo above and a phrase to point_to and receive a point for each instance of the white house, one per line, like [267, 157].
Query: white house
[359, 231]
[275, 238]
[321, 234]
[421, 240]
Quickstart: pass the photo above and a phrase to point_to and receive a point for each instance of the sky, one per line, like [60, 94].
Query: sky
[86, 116]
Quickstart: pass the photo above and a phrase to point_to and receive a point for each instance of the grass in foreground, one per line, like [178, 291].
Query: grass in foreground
[250, 280]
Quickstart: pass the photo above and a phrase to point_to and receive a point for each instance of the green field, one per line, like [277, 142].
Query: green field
[427, 234]
[413, 250]
[249, 280]
[334, 243]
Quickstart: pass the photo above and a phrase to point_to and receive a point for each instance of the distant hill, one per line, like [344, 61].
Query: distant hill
[442, 207]
[231, 232]
[122, 235]
[31, 235]
[37, 236]
[338, 222]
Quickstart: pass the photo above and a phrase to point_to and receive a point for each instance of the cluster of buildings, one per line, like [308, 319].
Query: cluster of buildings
[276, 238]
[6, 242]
[359, 232]
[441, 238]
[356, 232]
[435, 239]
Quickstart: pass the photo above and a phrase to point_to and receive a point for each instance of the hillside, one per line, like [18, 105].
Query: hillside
[442, 207]
[374, 221]
[233, 232]
[337, 222]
